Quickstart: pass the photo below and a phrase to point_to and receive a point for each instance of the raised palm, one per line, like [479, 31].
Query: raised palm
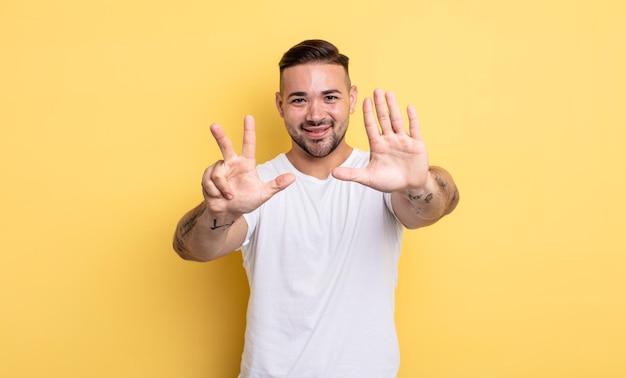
[398, 160]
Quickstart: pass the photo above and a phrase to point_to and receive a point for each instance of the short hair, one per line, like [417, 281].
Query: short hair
[313, 51]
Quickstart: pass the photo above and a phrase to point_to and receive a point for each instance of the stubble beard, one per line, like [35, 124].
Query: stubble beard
[319, 148]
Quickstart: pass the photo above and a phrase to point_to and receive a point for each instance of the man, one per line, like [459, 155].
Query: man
[320, 226]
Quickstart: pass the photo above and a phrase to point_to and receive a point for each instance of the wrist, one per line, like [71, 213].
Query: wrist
[218, 220]
[423, 193]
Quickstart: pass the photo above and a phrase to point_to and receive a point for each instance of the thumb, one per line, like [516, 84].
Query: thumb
[349, 174]
[280, 183]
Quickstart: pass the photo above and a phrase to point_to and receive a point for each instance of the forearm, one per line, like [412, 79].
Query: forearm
[426, 205]
[201, 236]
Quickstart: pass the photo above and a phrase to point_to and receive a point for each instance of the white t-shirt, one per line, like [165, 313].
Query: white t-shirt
[321, 258]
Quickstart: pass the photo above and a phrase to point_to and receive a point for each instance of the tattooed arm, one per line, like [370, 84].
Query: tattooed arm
[201, 236]
[423, 207]
[231, 187]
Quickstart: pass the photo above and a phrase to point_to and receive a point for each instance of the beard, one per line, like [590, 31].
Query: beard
[319, 148]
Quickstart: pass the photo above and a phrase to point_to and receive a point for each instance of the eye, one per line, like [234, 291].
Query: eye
[331, 98]
[297, 100]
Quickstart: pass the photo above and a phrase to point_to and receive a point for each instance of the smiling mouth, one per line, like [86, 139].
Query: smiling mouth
[317, 132]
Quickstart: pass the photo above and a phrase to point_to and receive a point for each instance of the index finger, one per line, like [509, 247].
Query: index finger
[225, 145]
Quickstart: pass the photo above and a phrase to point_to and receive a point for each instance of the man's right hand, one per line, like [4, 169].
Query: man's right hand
[232, 186]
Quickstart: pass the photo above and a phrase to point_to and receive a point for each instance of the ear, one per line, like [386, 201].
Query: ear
[354, 94]
[279, 104]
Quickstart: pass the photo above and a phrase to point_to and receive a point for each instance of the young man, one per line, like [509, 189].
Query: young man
[320, 226]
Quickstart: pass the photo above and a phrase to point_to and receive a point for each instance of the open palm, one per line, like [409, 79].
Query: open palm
[398, 160]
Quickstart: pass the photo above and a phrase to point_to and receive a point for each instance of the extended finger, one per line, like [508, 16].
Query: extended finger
[279, 183]
[382, 112]
[414, 124]
[225, 145]
[351, 174]
[397, 122]
[371, 127]
[249, 138]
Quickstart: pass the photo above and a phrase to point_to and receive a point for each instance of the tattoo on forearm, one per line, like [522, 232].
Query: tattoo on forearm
[216, 226]
[453, 201]
[179, 242]
[441, 182]
[427, 199]
[413, 198]
[186, 227]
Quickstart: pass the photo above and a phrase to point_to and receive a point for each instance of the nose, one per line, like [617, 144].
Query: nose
[315, 112]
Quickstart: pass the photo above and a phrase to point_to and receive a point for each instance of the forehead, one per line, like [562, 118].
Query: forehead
[313, 77]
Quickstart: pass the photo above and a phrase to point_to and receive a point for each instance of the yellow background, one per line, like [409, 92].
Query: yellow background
[104, 115]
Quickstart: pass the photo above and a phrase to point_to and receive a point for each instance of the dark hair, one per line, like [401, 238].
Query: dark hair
[313, 51]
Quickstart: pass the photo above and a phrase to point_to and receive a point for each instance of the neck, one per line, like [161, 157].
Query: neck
[316, 167]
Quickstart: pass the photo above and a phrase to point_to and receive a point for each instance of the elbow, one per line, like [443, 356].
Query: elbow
[448, 188]
[188, 255]
[420, 220]
[419, 223]
[454, 201]
[194, 258]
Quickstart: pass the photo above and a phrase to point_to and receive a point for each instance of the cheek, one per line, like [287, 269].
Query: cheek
[340, 113]
[293, 114]
[291, 119]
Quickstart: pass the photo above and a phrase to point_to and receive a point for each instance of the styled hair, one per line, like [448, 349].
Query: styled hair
[313, 51]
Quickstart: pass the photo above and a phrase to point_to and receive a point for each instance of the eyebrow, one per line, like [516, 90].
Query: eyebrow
[331, 91]
[296, 94]
[303, 94]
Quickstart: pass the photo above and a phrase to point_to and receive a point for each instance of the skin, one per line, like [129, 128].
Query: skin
[315, 102]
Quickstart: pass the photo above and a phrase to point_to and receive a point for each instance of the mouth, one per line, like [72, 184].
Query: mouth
[317, 132]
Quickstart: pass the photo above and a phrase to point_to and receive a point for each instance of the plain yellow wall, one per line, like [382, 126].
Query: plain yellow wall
[104, 115]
